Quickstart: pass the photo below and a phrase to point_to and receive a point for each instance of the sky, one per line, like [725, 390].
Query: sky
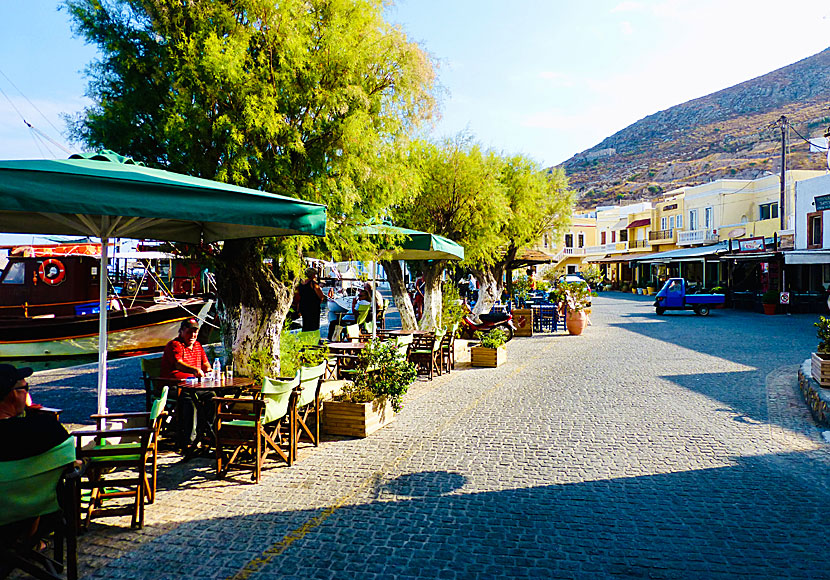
[544, 78]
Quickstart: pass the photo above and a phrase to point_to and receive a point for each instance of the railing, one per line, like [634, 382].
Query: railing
[632, 244]
[573, 251]
[661, 235]
[697, 237]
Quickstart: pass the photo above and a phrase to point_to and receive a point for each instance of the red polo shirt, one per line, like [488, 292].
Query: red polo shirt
[176, 350]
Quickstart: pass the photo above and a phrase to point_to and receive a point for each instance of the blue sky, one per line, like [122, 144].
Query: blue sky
[544, 78]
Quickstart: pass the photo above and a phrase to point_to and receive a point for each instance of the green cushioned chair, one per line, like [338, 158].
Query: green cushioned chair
[308, 405]
[42, 487]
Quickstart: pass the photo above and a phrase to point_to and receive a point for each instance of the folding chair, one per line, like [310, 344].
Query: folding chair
[448, 348]
[153, 421]
[45, 487]
[308, 405]
[426, 353]
[116, 463]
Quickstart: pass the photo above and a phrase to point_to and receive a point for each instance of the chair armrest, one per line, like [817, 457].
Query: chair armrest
[113, 433]
[121, 415]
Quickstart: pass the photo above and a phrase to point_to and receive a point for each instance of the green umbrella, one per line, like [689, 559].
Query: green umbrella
[106, 195]
[416, 245]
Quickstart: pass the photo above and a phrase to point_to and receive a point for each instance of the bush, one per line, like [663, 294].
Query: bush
[381, 372]
[492, 339]
[823, 334]
[770, 297]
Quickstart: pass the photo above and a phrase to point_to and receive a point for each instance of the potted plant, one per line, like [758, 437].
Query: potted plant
[820, 360]
[490, 351]
[374, 395]
[577, 297]
[769, 299]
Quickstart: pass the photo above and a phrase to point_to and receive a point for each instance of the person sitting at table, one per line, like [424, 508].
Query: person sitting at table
[24, 434]
[185, 358]
[363, 298]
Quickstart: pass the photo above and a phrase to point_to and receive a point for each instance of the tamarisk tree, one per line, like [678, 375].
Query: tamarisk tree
[305, 98]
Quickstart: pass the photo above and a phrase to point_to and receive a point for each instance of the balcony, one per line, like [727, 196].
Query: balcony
[601, 249]
[687, 238]
[637, 244]
[661, 237]
[573, 251]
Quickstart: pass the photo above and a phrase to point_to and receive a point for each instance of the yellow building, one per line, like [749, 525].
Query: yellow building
[667, 219]
[571, 251]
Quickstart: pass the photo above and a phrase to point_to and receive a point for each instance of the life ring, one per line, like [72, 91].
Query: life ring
[132, 287]
[51, 272]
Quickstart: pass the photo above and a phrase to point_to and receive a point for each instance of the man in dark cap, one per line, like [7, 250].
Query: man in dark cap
[23, 434]
[185, 358]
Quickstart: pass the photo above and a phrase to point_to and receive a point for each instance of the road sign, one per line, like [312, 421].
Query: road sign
[784, 298]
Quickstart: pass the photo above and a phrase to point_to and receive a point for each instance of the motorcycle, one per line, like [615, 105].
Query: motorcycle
[489, 322]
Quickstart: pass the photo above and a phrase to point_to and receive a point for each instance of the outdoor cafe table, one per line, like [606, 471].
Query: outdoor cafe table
[232, 387]
[345, 351]
[408, 332]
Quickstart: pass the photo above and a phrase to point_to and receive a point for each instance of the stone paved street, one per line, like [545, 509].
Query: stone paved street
[649, 447]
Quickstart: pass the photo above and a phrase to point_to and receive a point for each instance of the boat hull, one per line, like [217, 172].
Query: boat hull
[146, 329]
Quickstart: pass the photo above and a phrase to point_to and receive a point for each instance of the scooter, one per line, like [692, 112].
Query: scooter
[504, 321]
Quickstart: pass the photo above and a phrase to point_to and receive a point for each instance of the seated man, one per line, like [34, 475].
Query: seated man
[23, 435]
[185, 358]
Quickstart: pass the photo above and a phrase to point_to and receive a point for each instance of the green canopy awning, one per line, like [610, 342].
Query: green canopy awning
[71, 196]
[416, 245]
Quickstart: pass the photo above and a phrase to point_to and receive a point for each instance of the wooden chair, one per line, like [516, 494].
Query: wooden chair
[308, 405]
[154, 383]
[448, 349]
[425, 352]
[382, 314]
[153, 421]
[116, 463]
[280, 398]
[45, 487]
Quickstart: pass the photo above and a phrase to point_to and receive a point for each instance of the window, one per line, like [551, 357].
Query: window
[693, 219]
[15, 273]
[768, 211]
[664, 223]
[571, 269]
[545, 241]
[671, 222]
[613, 237]
[580, 240]
[569, 240]
[679, 221]
[602, 238]
[708, 217]
[623, 235]
[814, 230]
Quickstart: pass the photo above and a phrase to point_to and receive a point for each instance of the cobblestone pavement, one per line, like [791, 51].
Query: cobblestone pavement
[648, 447]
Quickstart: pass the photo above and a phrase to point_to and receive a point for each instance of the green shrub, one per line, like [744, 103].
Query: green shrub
[823, 334]
[381, 372]
[492, 339]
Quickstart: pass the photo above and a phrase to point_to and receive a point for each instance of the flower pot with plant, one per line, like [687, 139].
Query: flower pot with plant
[490, 351]
[820, 360]
[373, 396]
[577, 298]
[769, 300]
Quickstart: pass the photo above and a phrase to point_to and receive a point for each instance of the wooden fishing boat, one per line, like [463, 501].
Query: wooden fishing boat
[49, 304]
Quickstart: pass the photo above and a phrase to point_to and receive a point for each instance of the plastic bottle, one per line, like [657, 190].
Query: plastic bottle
[217, 371]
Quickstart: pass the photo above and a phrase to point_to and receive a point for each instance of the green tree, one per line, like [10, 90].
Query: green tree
[459, 197]
[307, 98]
[535, 202]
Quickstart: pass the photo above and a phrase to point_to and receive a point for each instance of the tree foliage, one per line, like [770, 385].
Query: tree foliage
[307, 98]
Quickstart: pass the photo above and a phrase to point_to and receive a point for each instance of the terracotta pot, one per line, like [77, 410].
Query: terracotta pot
[576, 322]
[769, 308]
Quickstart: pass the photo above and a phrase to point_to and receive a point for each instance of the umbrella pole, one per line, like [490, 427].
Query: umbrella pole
[102, 327]
[374, 301]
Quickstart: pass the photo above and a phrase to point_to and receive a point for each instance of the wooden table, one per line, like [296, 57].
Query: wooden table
[408, 332]
[345, 351]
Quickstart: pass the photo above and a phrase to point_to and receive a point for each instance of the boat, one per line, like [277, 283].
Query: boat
[49, 301]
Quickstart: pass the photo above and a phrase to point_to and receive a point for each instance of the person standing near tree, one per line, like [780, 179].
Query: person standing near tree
[311, 297]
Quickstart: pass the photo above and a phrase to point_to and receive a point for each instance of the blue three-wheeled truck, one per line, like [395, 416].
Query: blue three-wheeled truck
[672, 296]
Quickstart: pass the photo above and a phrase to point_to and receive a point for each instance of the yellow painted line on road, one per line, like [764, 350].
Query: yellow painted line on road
[257, 564]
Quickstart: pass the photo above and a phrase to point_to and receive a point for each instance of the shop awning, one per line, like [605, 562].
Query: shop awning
[620, 225]
[639, 223]
[619, 258]
[685, 254]
[807, 257]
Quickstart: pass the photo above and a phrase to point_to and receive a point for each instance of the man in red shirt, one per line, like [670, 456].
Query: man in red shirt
[185, 358]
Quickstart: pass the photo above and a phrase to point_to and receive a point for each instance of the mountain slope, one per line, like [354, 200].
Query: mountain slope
[725, 134]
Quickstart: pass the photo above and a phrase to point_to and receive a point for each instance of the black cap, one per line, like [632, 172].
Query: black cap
[189, 323]
[9, 375]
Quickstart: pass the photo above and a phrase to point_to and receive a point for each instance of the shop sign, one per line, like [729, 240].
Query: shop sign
[669, 207]
[751, 245]
[786, 241]
[822, 202]
[736, 233]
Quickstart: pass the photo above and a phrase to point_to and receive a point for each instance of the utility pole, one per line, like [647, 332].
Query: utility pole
[784, 125]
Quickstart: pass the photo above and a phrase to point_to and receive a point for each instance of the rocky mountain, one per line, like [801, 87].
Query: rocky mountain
[728, 134]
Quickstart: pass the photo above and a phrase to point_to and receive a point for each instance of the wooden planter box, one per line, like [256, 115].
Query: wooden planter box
[523, 319]
[356, 419]
[820, 366]
[487, 357]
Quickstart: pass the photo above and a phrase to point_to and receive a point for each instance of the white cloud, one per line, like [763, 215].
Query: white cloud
[626, 28]
[627, 7]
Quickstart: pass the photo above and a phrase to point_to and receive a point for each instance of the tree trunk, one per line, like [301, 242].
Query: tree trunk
[433, 300]
[403, 302]
[252, 307]
[490, 287]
